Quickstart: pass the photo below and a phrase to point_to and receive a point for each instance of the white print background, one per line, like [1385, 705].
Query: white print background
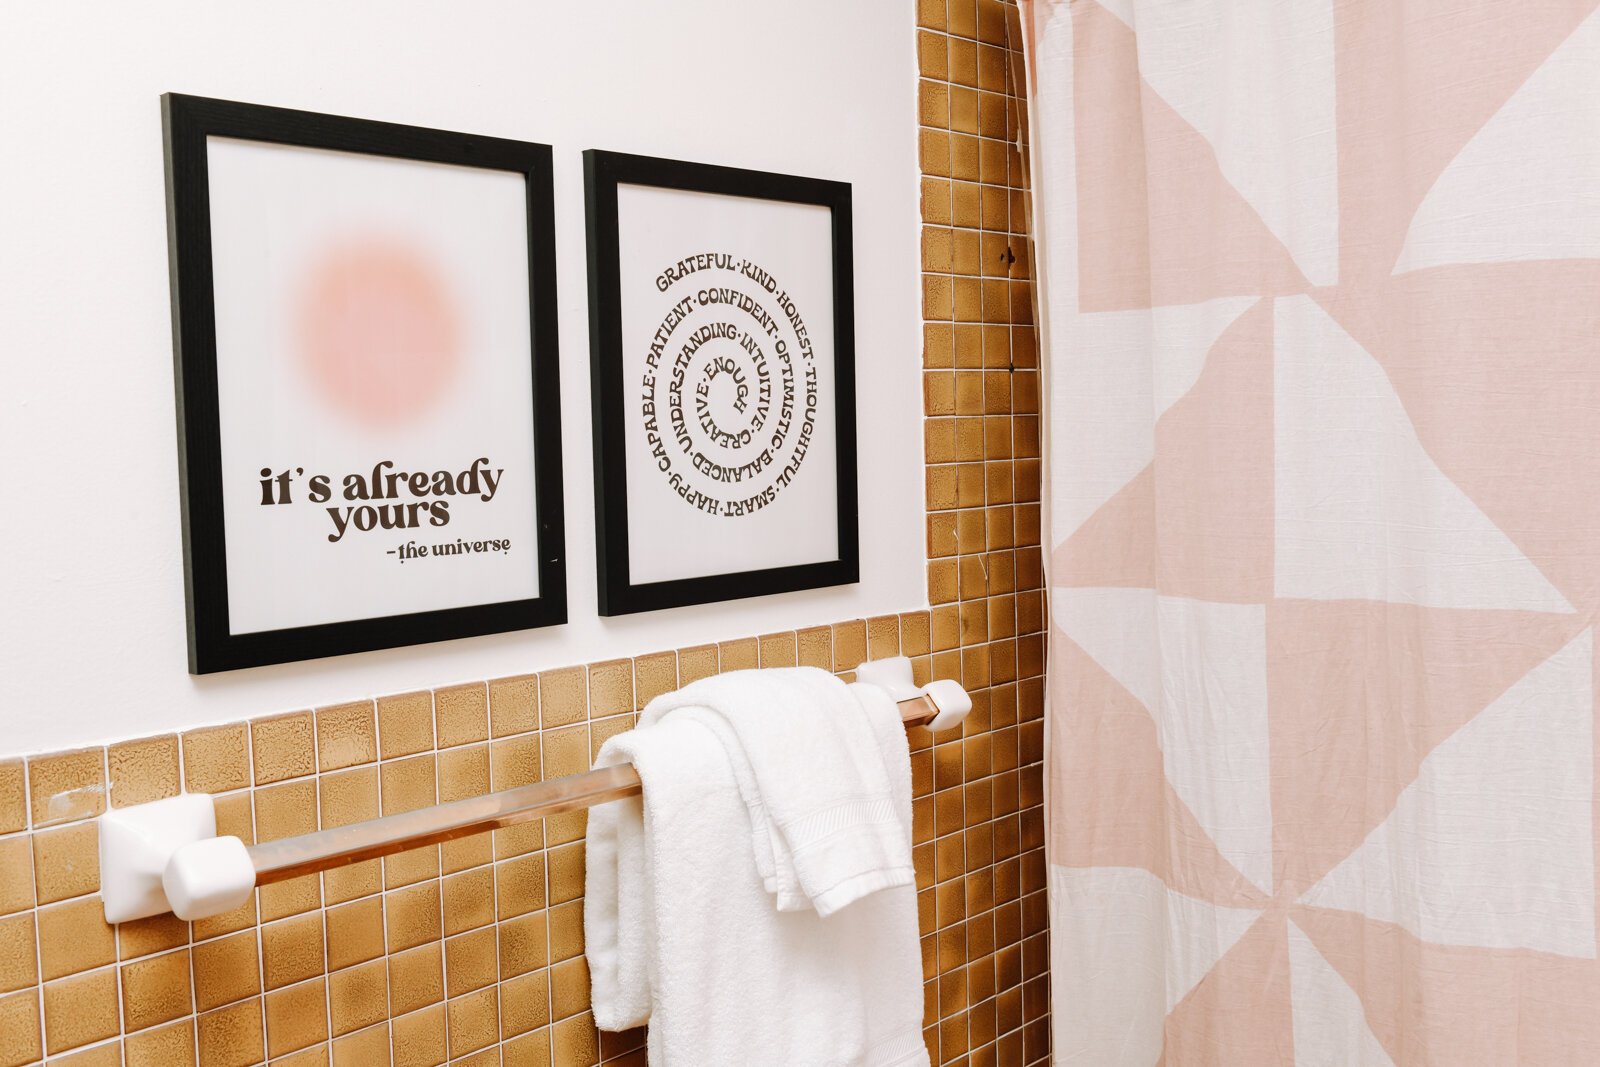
[272, 209]
[669, 538]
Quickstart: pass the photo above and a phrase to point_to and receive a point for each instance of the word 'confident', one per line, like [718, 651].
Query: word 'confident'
[386, 483]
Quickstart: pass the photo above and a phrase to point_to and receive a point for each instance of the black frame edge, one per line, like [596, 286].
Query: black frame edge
[603, 172]
[186, 122]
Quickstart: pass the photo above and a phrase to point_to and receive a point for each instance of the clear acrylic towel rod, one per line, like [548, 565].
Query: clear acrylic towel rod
[166, 855]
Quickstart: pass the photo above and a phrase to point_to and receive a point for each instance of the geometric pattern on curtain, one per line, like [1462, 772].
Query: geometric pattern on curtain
[1320, 290]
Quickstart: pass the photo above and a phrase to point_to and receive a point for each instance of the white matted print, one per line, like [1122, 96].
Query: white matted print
[378, 456]
[721, 375]
[374, 379]
[727, 323]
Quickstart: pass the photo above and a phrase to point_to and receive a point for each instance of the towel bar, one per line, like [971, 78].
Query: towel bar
[166, 856]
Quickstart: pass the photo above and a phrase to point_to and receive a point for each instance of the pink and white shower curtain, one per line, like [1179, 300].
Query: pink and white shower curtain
[1320, 283]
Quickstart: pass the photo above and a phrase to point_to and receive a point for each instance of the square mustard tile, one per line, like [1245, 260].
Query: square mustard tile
[316, 1056]
[155, 990]
[162, 1046]
[348, 797]
[143, 770]
[653, 675]
[157, 933]
[292, 950]
[525, 1003]
[416, 978]
[358, 997]
[355, 933]
[19, 962]
[226, 970]
[524, 944]
[468, 900]
[296, 1017]
[67, 786]
[529, 1050]
[915, 633]
[566, 931]
[566, 827]
[566, 751]
[883, 636]
[563, 697]
[13, 797]
[66, 862]
[466, 852]
[513, 705]
[520, 885]
[412, 916]
[474, 1021]
[409, 868]
[20, 1040]
[365, 1048]
[75, 937]
[602, 730]
[470, 962]
[283, 746]
[566, 873]
[16, 874]
[779, 650]
[816, 647]
[231, 1037]
[419, 1038]
[463, 772]
[611, 688]
[405, 724]
[461, 714]
[80, 1010]
[696, 663]
[514, 761]
[347, 735]
[569, 988]
[741, 655]
[575, 1042]
[409, 784]
[849, 645]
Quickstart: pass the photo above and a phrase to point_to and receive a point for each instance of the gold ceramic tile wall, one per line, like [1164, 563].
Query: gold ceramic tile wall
[472, 953]
[980, 827]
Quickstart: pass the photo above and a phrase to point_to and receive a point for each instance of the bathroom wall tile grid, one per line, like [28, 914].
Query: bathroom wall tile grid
[471, 953]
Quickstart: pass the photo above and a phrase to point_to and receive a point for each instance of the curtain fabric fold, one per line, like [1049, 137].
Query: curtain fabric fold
[1320, 291]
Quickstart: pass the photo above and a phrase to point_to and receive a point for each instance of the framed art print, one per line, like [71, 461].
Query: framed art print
[365, 343]
[722, 343]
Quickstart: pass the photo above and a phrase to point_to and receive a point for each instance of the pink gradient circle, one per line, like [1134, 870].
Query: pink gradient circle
[379, 331]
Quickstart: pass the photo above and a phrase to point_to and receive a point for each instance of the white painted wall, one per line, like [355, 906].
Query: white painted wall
[91, 592]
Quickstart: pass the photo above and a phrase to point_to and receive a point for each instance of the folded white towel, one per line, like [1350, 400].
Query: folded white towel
[682, 933]
[824, 828]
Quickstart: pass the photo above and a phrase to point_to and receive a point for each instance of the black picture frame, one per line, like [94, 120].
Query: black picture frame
[187, 122]
[604, 171]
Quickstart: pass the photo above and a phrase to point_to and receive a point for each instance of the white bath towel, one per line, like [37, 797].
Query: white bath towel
[823, 824]
[682, 933]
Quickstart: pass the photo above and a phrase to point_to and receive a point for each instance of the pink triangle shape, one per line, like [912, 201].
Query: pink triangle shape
[1359, 692]
[1497, 369]
[1213, 476]
[1403, 81]
[1113, 805]
[1239, 1015]
[1433, 1004]
[1157, 221]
